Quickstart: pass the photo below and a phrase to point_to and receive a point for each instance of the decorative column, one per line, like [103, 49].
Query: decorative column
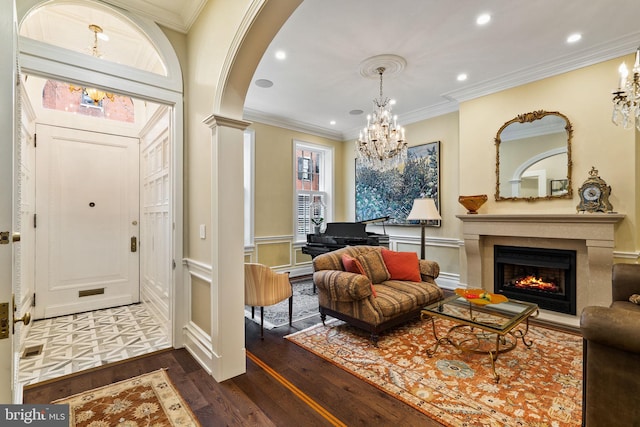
[227, 251]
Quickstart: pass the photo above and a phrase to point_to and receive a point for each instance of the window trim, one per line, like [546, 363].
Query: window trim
[326, 168]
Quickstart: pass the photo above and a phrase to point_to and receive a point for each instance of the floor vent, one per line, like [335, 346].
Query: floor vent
[35, 350]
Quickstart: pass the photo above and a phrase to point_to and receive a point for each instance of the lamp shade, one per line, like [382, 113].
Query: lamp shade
[423, 210]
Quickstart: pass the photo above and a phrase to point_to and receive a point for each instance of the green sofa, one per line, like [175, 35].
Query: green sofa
[612, 354]
[350, 296]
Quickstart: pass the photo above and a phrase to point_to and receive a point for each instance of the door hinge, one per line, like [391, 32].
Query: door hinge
[173, 264]
[35, 221]
[35, 140]
[33, 302]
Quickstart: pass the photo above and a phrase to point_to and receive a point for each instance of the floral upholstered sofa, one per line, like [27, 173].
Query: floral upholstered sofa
[373, 288]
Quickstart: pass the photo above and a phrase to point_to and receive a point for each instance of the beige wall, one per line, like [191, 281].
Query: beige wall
[442, 242]
[224, 46]
[467, 151]
[584, 96]
[274, 192]
[208, 42]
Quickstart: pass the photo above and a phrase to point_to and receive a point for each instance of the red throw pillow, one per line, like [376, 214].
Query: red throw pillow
[352, 265]
[402, 265]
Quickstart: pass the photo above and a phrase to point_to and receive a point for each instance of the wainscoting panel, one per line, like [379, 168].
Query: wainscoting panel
[301, 258]
[280, 253]
[444, 251]
[197, 340]
[155, 218]
[274, 254]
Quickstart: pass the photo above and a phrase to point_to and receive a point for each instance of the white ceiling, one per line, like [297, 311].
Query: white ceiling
[326, 41]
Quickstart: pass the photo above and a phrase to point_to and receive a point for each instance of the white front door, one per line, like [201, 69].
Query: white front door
[87, 213]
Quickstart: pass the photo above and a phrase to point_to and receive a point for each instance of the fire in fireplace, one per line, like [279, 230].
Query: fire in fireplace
[533, 282]
[543, 276]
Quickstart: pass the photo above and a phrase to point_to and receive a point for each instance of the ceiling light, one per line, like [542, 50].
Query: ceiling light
[332, 122]
[96, 95]
[281, 54]
[483, 19]
[356, 112]
[626, 100]
[381, 145]
[574, 38]
[264, 83]
[462, 77]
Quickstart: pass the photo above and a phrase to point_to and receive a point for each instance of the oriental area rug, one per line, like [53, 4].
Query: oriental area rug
[146, 400]
[305, 305]
[540, 386]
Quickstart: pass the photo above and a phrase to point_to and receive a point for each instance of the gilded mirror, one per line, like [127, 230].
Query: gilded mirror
[533, 157]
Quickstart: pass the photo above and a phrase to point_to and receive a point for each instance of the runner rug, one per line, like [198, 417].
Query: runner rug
[540, 386]
[147, 400]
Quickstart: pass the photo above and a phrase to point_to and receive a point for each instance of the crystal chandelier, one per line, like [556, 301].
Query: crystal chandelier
[96, 95]
[626, 100]
[381, 145]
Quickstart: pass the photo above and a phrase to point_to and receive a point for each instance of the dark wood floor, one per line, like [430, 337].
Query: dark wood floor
[256, 398]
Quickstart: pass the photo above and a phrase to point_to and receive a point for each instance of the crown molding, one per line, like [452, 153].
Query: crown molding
[580, 59]
[269, 119]
[179, 18]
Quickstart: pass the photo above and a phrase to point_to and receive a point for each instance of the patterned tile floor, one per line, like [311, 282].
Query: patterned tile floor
[81, 341]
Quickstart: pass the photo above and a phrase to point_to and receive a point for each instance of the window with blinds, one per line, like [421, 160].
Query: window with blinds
[313, 166]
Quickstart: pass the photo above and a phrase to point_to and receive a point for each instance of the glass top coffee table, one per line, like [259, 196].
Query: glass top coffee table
[487, 329]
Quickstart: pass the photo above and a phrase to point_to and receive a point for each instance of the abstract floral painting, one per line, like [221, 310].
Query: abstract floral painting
[391, 193]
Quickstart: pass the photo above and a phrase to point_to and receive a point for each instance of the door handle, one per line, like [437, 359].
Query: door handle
[134, 244]
[26, 318]
[5, 236]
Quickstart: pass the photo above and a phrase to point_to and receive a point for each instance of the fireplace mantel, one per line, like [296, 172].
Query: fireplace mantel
[590, 235]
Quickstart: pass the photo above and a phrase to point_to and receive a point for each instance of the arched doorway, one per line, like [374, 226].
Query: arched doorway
[154, 81]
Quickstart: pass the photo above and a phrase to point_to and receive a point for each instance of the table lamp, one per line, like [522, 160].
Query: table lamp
[423, 210]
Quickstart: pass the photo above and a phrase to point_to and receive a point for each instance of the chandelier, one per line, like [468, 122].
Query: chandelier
[626, 100]
[96, 95]
[381, 145]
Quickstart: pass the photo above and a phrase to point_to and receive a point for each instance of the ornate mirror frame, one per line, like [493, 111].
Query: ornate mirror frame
[530, 118]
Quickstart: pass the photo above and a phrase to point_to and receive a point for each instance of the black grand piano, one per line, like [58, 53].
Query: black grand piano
[341, 234]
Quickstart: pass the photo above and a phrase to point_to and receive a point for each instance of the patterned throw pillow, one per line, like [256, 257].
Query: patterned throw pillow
[635, 298]
[352, 265]
[374, 267]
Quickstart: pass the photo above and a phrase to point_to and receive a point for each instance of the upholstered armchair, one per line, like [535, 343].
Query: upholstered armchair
[612, 354]
[264, 287]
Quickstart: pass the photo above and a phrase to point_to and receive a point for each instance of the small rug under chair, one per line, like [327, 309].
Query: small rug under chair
[305, 305]
[540, 386]
[146, 400]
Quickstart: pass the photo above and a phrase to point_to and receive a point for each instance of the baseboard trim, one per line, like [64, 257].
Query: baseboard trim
[199, 345]
[448, 280]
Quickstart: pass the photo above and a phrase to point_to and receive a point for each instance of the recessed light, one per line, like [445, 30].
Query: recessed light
[483, 19]
[574, 38]
[332, 122]
[264, 83]
[281, 54]
[356, 112]
[462, 77]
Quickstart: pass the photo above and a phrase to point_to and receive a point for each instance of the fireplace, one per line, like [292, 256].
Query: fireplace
[543, 276]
